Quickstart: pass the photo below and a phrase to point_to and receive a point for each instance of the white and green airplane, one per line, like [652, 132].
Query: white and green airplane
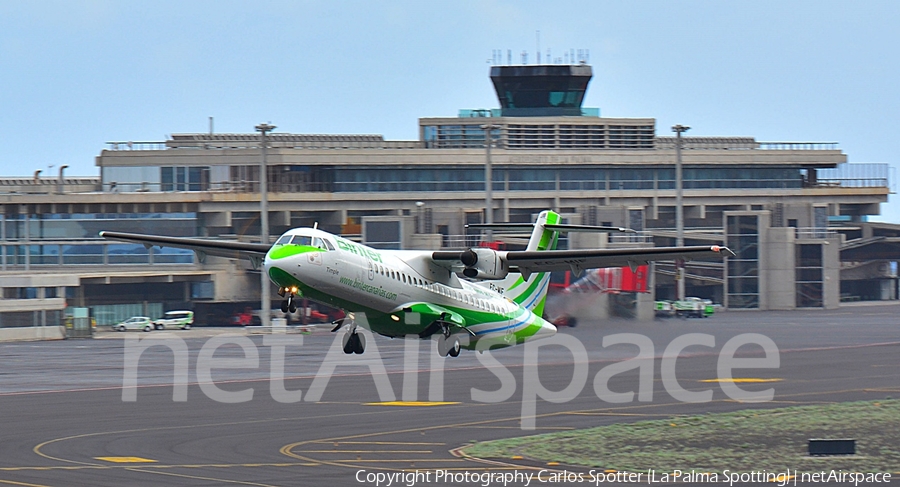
[498, 303]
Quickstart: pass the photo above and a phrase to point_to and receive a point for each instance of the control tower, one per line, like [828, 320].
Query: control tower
[541, 90]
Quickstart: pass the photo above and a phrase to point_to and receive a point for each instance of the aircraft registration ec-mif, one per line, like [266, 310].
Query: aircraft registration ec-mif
[467, 297]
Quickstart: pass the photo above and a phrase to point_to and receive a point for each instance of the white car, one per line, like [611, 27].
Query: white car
[142, 323]
[175, 319]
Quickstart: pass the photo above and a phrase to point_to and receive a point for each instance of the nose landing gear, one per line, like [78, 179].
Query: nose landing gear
[288, 305]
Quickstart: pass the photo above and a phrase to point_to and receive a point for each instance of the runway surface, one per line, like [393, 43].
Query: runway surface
[68, 420]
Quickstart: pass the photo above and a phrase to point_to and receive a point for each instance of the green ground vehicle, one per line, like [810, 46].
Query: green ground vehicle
[175, 319]
[694, 307]
[665, 309]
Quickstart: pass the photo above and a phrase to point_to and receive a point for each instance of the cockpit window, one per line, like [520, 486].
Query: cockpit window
[301, 240]
[306, 241]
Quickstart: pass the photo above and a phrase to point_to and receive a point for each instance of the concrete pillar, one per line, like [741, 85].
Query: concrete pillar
[779, 268]
[831, 281]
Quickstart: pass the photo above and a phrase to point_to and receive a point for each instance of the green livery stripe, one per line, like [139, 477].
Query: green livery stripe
[484, 317]
[384, 323]
[284, 279]
[516, 284]
[532, 287]
[546, 241]
[539, 309]
[290, 250]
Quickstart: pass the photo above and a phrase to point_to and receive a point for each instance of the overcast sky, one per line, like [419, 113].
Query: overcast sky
[77, 74]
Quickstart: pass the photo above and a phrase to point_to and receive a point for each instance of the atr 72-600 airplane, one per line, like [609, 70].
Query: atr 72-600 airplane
[414, 292]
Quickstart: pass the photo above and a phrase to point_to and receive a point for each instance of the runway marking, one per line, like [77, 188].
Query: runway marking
[156, 466]
[552, 428]
[410, 403]
[288, 450]
[640, 415]
[336, 443]
[23, 484]
[126, 459]
[37, 449]
[196, 477]
[745, 380]
[407, 460]
[366, 451]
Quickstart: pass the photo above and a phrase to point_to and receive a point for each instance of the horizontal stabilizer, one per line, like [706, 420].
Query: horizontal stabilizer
[557, 227]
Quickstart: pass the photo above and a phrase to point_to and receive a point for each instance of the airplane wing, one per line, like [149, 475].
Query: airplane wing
[203, 247]
[578, 260]
[490, 264]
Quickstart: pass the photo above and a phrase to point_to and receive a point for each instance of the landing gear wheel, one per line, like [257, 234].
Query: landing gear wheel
[448, 346]
[186, 327]
[454, 349]
[292, 308]
[348, 342]
[360, 344]
[284, 307]
[354, 343]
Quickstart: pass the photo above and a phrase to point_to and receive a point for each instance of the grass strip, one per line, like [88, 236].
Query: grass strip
[742, 441]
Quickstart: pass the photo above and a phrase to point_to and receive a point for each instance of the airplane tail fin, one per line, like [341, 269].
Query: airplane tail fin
[531, 293]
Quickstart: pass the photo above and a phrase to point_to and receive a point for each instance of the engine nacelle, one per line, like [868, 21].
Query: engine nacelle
[484, 263]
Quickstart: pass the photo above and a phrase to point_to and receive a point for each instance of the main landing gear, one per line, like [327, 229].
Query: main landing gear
[353, 342]
[447, 342]
[288, 305]
[448, 346]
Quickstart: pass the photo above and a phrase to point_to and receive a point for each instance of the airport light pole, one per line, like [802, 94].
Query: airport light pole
[420, 225]
[679, 209]
[489, 178]
[265, 309]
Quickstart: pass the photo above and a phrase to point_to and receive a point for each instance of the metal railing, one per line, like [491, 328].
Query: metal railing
[814, 233]
[473, 186]
[299, 143]
[856, 175]
[798, 145]
[155, 145]
[25, 255]
[853, 183]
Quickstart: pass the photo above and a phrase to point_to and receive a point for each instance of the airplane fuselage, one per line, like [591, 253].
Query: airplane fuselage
[401, 293]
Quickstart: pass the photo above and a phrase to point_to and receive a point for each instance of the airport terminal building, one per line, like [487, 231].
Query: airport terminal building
[795, 213]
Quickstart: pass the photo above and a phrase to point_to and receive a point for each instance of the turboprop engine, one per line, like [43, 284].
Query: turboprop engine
[482, 263]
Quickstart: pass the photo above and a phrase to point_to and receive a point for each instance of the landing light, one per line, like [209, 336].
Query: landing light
[395, 317]
[294, 289]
